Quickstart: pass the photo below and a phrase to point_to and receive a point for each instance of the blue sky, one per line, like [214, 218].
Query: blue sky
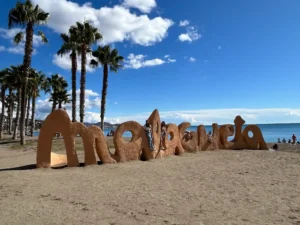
[198, 61]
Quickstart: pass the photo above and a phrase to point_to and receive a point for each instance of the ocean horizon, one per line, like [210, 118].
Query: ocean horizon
[271, 132]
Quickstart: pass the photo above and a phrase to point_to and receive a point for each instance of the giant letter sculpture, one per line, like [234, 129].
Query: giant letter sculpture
[138, 148]
[59, 121]
[200, 142]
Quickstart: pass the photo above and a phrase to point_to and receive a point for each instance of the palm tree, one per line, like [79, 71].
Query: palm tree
[11, 105]
[14, 77]
[3, 83]
[86, 35]
[106, 57]
[70, 45]
[26, 14]
[57, 84]
[38, 82]
[63, 98]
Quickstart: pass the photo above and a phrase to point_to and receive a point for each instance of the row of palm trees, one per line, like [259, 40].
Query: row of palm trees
[77, 42]
[11, 95]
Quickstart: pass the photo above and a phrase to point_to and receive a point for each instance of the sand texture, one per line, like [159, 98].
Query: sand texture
[212, 187]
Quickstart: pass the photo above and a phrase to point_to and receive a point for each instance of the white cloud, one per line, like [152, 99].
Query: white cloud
[144, 6]
[116, 24]
[184, 23]
[2, 48]
[184, 37]
[16, 50]
[65, 62]
[139, 61]
[220, 116]
[92, 100]
[195, 117]
[88, 93]
[9, 34]
[190, 35]
[171, 60]
[19, 49]
[167, 56]
[192, 59]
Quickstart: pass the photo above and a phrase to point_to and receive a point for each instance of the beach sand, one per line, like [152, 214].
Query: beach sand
[206, 188]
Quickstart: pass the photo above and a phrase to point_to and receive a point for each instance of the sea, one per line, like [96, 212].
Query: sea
[271, 132]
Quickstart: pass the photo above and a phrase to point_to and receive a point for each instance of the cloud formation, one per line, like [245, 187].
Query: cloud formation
[116, 24]
[195, 117]
[192, 59]
[190, 35]
[140, 61]
[64, 62]
[9, 34]
[144, 6]
[184, 23]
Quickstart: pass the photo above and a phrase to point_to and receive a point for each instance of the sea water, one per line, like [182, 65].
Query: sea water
[271, 132]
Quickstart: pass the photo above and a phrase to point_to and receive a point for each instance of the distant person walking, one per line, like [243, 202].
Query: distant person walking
[294, 138]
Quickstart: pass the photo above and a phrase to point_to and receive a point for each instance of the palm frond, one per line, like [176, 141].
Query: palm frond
[42, 35]
[19, 37]
[94, 63]
[65, 37]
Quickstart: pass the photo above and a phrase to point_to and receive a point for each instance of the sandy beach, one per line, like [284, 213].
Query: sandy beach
[213, 187]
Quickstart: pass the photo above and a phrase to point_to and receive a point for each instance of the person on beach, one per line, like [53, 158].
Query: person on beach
[294, 139]
[275, 147]
[163, 135]
[278, 140]
[209, 136]
[147, 128]
[187, 136]
[283, 140]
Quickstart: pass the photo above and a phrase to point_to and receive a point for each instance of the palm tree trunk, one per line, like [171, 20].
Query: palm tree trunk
[9, 110]
[27, 114]
[12, 105]
[32, 114]
[53, 106]
[26, 68]
[59, 104]
[2, 111]
[74, 69]
[15, 135]
[8, 117]
[104, 93]
[82, 82]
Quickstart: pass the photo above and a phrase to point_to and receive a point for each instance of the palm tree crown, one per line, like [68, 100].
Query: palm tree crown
[26, 13]
[106, 55]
